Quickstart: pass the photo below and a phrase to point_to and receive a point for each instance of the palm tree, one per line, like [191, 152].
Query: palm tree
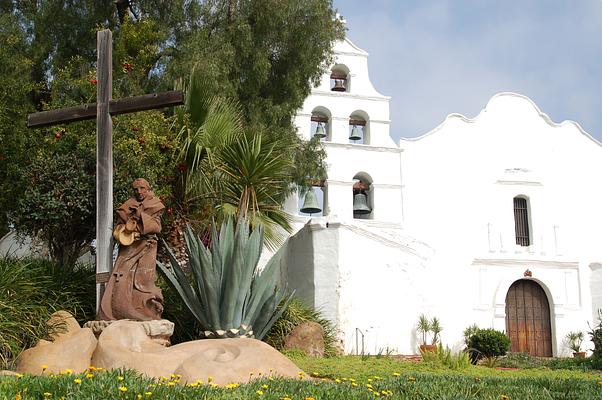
[226, 171]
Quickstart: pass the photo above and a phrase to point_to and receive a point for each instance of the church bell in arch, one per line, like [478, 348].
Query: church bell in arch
[360, 204]
[355, 133]
[339, 85]
[320, 132]
[310, 203]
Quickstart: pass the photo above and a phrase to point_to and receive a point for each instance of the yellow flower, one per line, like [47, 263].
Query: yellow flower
[78, 381]
[89, 375]
[337, 380]
[172, 376]
[369, 386]
[286, 398]
[232, 385]
[148, 394]
[123, 388]
[68, 371]
[18, 396]
[259, 392]
[504, 397]
[264, 387]
[213, 385]
[353, 384]
[47, 394]
[209, 379]
[138, 396]
[44, 367]
[309, 398]
[193, 384]
[411, 379]
[120, 378]
[396, 374]
[92, 368]
[170, 384]
[19, 376]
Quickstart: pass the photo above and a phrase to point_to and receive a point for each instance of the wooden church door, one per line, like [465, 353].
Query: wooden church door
[528, 319]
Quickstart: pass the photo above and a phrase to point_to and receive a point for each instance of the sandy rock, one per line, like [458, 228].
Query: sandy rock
[71, 349]
[309, 337]
[62, 324]
[124, 344]
[6, 372]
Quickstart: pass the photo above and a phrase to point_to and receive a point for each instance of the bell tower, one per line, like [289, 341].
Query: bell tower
[351, 118]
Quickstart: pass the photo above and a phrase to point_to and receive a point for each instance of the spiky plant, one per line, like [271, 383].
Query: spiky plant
[226, 292]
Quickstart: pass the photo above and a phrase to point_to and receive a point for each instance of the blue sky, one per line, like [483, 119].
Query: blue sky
[437, 57]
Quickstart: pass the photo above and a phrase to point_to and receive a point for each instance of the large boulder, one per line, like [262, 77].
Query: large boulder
[125, 344]
[69, 348]
[308, 337]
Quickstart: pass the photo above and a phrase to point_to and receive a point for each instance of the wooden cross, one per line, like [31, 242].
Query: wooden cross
[102, 110]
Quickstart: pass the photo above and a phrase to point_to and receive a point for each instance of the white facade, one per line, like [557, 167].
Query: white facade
[440, 239]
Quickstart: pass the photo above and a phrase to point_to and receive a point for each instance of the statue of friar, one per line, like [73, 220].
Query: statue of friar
[131, 292]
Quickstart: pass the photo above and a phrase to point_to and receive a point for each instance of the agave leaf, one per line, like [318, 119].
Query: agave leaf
[272, 314]
[251, 256]
[178, 280]
[263, 284]
[194, 260]
[235, 281]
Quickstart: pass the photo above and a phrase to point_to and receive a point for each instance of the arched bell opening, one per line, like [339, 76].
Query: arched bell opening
[528, 321]
[359, 128]
[363, 197]
[313, 203]
[320, 124]
[339, 78]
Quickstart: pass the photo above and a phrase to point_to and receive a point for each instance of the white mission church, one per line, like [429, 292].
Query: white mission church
[494, 220]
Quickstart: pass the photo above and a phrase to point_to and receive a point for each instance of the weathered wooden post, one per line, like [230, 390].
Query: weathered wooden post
[104, 161]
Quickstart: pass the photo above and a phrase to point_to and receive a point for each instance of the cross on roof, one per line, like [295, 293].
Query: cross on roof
[102, 110]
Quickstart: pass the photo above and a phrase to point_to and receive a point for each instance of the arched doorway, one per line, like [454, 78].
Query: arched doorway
[528, 319]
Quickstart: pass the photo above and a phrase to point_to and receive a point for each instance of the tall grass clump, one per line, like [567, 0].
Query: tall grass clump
[30, 291]
[446, 358]
[296, 314]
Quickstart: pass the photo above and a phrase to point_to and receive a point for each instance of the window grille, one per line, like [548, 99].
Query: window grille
[521, 221]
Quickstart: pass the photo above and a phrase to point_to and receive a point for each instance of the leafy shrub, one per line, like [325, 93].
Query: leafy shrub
[295, 314]
[490, 344]
[468, 333]
[31, 290]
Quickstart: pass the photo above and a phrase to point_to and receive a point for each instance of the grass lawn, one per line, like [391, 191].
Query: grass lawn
[346, 377]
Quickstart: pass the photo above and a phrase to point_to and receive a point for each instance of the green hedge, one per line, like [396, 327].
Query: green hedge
[31, 290]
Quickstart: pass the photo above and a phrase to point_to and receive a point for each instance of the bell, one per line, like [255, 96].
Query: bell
[310, 203]
[355, 133]
[320, 133]
[339, 85]
[360, 204]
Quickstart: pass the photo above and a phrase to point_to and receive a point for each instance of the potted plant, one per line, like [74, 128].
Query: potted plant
[426, 327]
[574, 340]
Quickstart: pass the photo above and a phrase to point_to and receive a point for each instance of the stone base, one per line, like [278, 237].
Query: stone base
[159, 331]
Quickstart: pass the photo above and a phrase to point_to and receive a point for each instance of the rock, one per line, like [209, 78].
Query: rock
[6, 372]
[124, 344]
[308, 337]
[159, 330]
[62, 324]
[71, 349]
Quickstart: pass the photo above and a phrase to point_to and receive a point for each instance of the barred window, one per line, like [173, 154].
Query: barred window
[521, 221]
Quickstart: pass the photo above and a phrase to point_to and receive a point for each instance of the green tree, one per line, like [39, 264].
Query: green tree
[15, 86]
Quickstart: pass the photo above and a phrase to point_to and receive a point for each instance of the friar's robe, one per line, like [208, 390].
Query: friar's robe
[131, 292]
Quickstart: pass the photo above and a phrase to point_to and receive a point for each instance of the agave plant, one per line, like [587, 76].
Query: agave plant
[226, 292]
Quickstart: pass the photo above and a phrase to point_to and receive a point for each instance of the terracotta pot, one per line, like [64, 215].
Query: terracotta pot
[428, 347]
[579, 354]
